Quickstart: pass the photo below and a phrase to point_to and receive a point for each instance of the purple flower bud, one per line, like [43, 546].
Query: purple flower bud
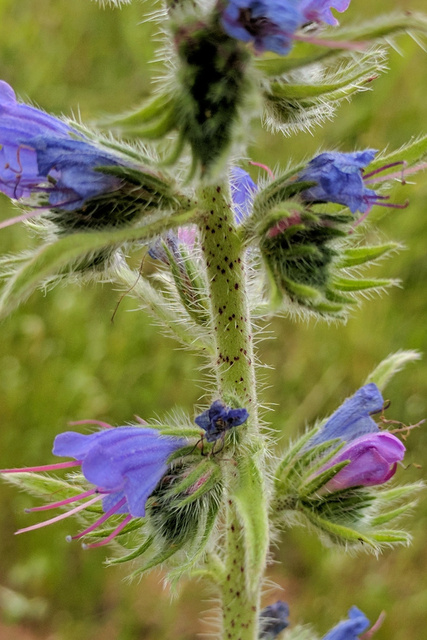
[243, 189]
[349, 629]
[320, 10]
[273, 619]
[373, 460]
[353, 418]
[38, 156]
[268, 24]
[339, 178]
[219, 419]
[125, 464]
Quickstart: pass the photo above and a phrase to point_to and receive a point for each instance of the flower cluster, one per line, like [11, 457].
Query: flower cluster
[271, 24]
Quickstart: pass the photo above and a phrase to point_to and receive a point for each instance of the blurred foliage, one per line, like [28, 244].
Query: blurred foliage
[62, 358]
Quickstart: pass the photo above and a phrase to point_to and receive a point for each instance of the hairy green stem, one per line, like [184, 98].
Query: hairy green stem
[235, 373]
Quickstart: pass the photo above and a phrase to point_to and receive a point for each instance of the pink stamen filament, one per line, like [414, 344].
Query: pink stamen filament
[46, 467]
[368, 635]
[100, 423]
[400, 175]
[61, 503]
[384, 168]
[263, 166]
[112, 535]
[25, 216]
[100, 520]
[61, 516]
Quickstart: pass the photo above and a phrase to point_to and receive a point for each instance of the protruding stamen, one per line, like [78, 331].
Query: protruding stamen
[263, 166]
[46, 467]
[384, 168]
[25, 216]
[368, 634]
[101, 520]
[61, 503]
[61, 516]
[99, 423]
[112, 535]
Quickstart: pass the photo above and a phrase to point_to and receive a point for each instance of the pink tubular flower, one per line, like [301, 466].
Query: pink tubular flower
[372, 459]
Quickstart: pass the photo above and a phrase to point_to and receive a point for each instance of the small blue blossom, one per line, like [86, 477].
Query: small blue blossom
[349, 629]
[320, 10]
[219, 419]
[268, 24]
[339, 178]
[353, 418]
[243, 189]
[39, 156]
[372, 454]
[273, 619]
[124, 465]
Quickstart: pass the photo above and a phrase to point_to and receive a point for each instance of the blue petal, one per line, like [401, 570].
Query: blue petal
[351, 628]
[352, 419]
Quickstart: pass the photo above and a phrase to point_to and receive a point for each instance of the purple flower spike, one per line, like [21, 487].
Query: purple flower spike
[219, 419]
[339, 178]
[353, 418]
[320, 10]
[274, 619]
[38, 156]
[349, 629]
[268, 24]
[373, 460]
[243, 189]
[125, 464]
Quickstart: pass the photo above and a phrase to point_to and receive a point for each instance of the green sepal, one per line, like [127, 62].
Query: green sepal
[286, 464]
[350, 284]
[150, 110]
[160, 558]
[343, 88]
[391, 365]
[391, 537]
[355, 256]
[208, 468]
[136, 553]
[388, 516]
[321, 479]
[191, 565]
[253, 518]
[338, 533]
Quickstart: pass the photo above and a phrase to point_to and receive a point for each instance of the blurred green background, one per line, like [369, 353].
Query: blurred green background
[62, 359]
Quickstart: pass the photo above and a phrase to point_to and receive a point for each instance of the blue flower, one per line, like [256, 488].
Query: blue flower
[39, 156]
[353, 418]
[372, 454]
[124, 464]
[349, 629]
[273, 620]
[268, 24]
[320, 10]
[243, 189]
[339, 178]
[219, 419]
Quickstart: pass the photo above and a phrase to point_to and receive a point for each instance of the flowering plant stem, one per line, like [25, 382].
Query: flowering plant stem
[235, 375]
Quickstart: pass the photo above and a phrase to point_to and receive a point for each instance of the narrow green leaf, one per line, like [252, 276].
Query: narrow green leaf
[339, 533]
[383, 518]
[360, 255]
[133, 554]
[148, 111]
[348, 284]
